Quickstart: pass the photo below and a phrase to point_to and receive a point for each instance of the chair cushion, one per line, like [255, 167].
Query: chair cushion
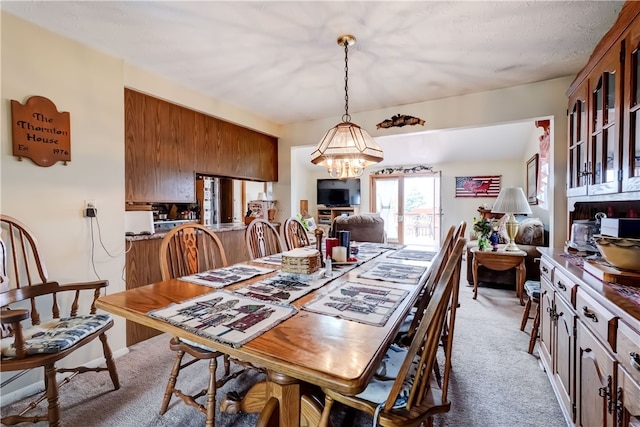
[391, 362]
[57, 335]
[196, 345]
[377, 391]
[532, 288]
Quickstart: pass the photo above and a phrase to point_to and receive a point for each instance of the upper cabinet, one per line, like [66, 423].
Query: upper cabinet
[166, 145]
[631, 138]
[602, 153]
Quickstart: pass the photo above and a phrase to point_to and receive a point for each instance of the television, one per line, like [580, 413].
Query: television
[338, 192]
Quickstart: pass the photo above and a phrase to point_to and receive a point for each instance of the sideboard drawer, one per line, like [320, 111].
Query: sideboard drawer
[546, 270]
[565, 287]
[597, 318]
[629, 350]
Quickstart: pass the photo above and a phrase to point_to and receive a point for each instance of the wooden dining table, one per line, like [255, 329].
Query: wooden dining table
[307, 348]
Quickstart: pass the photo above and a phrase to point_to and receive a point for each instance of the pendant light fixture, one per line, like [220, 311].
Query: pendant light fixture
[346, 149]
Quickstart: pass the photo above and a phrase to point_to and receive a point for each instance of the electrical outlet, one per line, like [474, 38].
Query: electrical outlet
[90, 209]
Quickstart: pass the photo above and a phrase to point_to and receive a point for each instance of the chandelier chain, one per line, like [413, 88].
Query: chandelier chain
[346, 117]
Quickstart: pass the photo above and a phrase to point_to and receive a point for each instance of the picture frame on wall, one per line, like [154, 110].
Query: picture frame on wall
[532, 180]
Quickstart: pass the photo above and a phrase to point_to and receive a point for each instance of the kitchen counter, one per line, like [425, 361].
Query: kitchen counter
[236, 226]
[623, 301]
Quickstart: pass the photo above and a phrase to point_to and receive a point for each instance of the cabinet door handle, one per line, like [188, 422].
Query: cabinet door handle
[561, 286]
[634, 360]
[545, 269]
[588, 314]
[606, 392]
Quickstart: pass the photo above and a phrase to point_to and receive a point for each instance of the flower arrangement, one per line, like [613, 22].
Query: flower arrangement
[484, 229]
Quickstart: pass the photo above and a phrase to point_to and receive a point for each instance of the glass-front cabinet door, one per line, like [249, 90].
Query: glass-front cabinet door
[631, 146]
[603, 164]
[578, 145]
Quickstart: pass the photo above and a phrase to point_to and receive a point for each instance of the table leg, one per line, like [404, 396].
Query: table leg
[475, 277]
[520, 278]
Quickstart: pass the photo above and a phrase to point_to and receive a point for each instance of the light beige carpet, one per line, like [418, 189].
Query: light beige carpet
[494, 383]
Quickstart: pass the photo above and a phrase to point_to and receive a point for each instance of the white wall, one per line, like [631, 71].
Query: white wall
[526, 102]
[49, 200]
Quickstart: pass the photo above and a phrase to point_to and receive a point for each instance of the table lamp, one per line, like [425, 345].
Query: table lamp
[510, 201]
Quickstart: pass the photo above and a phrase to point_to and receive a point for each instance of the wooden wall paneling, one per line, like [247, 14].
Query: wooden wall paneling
[142, 268]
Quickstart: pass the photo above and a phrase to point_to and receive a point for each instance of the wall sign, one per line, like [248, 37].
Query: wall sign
[40, 132]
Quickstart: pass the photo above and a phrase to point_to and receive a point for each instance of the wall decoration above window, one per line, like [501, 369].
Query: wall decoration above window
[478, 186]
[400, 120]
[397, 170]
[40, 132]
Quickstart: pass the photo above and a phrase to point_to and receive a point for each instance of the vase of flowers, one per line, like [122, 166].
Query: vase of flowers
[483, 228]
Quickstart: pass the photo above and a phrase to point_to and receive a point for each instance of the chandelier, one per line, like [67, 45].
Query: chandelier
[346, 149]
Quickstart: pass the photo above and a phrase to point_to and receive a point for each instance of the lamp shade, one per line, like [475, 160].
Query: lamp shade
[511, 200]
[346, 141]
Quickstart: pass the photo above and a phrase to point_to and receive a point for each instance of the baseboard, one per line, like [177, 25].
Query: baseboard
[38, 386]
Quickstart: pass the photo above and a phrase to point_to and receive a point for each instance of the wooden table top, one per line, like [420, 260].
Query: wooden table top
[323, 350]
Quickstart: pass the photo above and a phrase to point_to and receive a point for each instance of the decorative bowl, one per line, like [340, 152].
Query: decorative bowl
[620, 252]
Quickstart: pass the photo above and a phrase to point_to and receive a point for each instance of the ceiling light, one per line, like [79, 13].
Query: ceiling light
[346, 149]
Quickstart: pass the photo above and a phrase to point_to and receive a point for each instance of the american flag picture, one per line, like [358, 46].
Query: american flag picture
[478, 186]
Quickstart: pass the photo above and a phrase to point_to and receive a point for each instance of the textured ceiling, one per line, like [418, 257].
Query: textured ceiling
[280, 60]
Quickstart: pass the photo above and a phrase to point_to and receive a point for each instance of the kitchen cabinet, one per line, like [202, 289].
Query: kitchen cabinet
[631, 111]
[603, 157]
[595, 372]
[159, 151]
[167, 144]
[557, 336]
[628, 388]
[594, 367]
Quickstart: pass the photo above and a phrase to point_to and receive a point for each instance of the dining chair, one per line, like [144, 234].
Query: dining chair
[532, 288]
[413, 397]
[189, 249]
[295, 235]
[50, 338]
[262, 239]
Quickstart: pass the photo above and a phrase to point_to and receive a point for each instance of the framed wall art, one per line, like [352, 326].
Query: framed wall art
[532, 180]
[478, 186]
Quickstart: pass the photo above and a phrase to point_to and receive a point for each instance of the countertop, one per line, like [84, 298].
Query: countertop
[621, 300]
[220, 228]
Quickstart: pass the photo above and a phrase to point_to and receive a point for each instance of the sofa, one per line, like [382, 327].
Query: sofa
[531, 234]
[363, 228]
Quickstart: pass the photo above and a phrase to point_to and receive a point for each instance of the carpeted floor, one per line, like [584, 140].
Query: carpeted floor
[494, 383]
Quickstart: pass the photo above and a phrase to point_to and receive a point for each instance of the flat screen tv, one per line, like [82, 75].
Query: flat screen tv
[338, 192]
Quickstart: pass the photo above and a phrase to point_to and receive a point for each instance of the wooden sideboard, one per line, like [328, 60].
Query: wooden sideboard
[589, 343]
[166, 145]
[143, 267]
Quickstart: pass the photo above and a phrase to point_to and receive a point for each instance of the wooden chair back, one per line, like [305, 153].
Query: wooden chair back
[25, 273]
[423, 348]
[295, 235]
[433, 275]
[262, 239]
[189, 249]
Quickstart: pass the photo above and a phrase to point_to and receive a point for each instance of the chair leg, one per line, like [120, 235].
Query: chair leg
[211, 393]
[525, 315]
[534, 329]
[171, 385]
[52, 395]
[326, 411]
[227, 364]
[108, 356]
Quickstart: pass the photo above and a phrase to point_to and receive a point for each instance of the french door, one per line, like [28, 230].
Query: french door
[410, 207]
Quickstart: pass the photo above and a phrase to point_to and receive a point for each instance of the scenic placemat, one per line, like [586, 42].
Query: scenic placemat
[413, 255]
[284, 287]
[225, 316]
[358, 302]
[271, 259]
[390, 272]
[381, 246]
[226, 276]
